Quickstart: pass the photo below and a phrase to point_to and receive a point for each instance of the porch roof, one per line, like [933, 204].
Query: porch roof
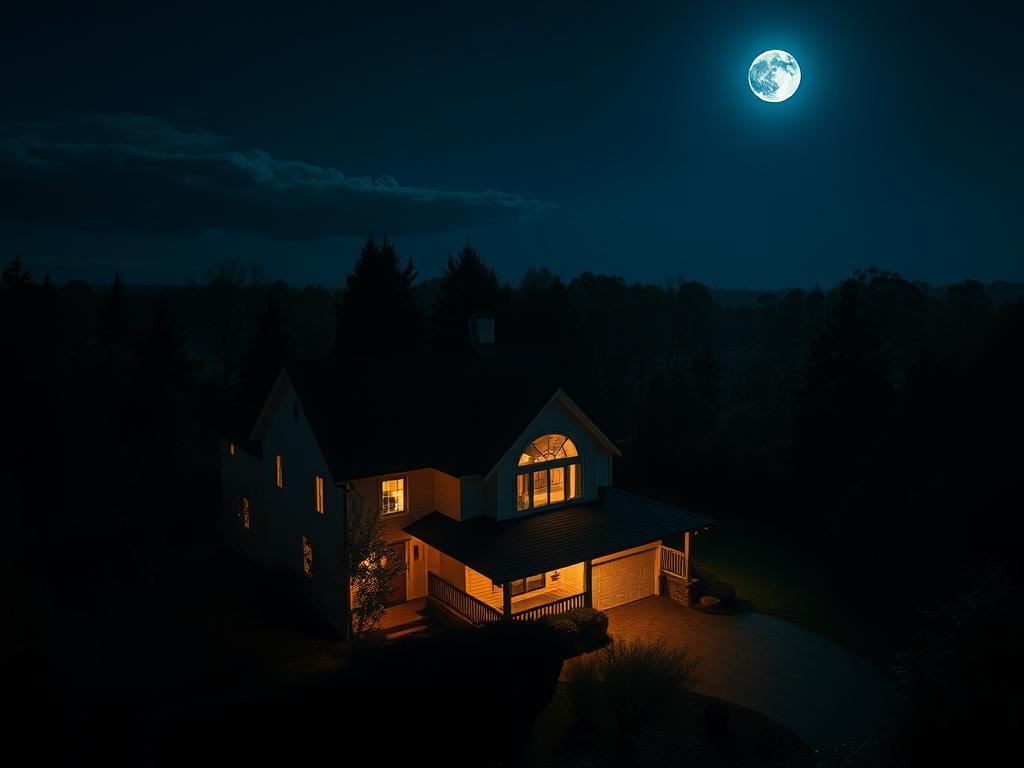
[512, 549]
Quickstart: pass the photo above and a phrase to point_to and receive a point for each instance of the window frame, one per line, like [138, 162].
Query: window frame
[319, 494]
[547, 466]
[307, 556]
[278, 470]
[525, 582]
[405, 495]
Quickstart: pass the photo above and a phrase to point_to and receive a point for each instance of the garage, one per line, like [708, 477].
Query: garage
[624, 579]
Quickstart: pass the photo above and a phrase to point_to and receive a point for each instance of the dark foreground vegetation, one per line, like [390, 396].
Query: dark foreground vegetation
[876, 424]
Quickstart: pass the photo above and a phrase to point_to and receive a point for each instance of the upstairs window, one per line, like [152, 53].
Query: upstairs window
[392, 496]
[552, 475]
[318, 483]
[307, 556]
[231, 449]
[278, 471]
[244, 513]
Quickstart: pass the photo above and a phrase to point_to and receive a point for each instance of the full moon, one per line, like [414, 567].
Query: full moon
[774, 76]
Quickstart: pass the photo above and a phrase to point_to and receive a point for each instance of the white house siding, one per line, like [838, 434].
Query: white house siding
[452, 571]
[447, 495]
[570, 581]
[290, 511]
[555, 418]
[242, 475]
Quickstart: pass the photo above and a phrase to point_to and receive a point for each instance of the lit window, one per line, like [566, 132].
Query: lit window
[278, 471]
[392, 496]
[548, 448]
[244, 513]
[319, 483]
[556, 480]
[529, 584]
[307, 556]
[231, 449]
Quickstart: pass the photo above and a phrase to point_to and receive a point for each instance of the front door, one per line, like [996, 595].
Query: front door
[398, 582]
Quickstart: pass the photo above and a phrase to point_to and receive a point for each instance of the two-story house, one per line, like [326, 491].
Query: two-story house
[500, 508]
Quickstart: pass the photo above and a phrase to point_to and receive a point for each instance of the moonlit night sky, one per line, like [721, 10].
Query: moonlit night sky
[576, 136]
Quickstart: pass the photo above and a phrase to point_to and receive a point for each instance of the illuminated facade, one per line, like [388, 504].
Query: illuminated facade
[535, 528]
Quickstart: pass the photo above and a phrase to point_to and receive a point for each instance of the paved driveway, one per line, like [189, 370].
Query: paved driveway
[817, 689]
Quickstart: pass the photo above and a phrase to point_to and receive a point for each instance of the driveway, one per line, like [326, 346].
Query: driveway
[817, 689]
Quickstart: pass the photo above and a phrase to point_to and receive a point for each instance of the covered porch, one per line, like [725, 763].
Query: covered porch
[598, 554]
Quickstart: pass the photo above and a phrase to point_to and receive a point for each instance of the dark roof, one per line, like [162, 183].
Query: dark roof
[513, 549]
[372, 417]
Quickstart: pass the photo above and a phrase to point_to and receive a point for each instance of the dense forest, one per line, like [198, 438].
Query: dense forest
[881, 417]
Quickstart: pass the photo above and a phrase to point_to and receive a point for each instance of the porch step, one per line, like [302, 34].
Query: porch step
[406, 630]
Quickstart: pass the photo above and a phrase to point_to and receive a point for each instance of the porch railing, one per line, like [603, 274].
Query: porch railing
[673, 561]
[549, 609]
[467, 606]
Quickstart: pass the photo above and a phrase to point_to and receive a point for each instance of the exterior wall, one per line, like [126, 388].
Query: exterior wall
[570, 581]
[426, 490]
[452, 571]
[290, 511]
[596, 463]
[241, 475]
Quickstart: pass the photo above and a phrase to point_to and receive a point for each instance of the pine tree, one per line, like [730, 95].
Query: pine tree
[378, 315]
[469, 289]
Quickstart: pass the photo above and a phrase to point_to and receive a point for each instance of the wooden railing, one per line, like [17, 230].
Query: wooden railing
[473, 610]
[549, 609]
[673, 561]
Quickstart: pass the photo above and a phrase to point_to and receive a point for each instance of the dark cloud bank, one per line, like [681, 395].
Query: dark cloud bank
[135, 173]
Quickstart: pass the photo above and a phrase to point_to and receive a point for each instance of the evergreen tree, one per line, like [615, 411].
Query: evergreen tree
[115, 328]
[469, 289]
[378, 315]
[15, 274]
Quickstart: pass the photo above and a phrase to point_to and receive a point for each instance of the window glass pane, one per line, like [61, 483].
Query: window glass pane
[540, 488]
[392, 496]
[547, 448]
[535, 582]
[530, 456]
[517, 587]
[557, 489]
[307, 556]
[575, 481]
[523, 491]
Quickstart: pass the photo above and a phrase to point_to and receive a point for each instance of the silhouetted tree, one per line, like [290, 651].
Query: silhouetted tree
[469, 289]
[378, 315]
[115, 328]
[15, 275]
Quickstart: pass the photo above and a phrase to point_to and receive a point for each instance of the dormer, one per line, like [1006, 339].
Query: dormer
[561, 458]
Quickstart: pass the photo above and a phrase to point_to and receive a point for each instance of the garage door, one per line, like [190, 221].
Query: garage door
[624, 579]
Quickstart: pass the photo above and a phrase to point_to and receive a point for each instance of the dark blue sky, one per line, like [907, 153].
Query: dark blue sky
[570, 135]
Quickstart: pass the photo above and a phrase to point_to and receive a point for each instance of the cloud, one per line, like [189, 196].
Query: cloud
[136, 173]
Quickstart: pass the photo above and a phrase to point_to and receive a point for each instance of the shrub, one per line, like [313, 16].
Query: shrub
[724, 591]
[640, 680]
[567, 631]
[592, 623]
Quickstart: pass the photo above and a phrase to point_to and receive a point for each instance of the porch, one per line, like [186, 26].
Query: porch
[622, 577]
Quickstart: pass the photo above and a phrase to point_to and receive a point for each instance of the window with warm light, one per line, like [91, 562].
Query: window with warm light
[243, 512]
[318, 482]
[231, 449]
[307, 556]
[278, 471]
[529, 584]
[553, 475]
[392, 496]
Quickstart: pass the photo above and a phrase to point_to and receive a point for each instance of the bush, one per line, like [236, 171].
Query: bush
[640, 681]
[567, 631]
[724, 591]
[592, 624]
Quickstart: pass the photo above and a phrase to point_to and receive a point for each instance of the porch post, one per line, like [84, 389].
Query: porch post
[506, 592]
[588, 584]
[686, 552]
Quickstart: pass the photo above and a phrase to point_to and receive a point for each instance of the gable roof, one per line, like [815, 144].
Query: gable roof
[524, 546]
[372, 417]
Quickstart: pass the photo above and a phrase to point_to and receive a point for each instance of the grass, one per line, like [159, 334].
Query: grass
[791, 576]
[752, 739]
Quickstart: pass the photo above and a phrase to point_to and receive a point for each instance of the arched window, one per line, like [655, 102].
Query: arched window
[554, 473]
[548, 448]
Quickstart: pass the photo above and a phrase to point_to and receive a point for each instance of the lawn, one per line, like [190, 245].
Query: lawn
[743, 737]
[790, 576]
